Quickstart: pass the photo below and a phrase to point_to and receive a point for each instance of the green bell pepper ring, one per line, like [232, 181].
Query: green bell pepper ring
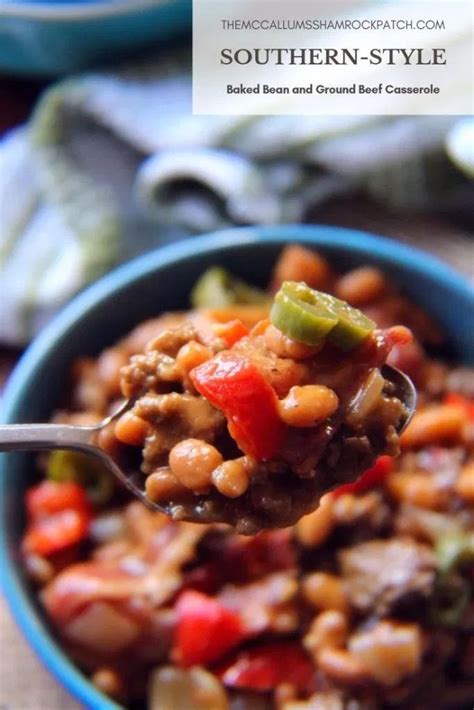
[454, 550]
[309, 316]
[451, 597]
[216, 288]
[353, 327]
[297, 313]
[452, 592]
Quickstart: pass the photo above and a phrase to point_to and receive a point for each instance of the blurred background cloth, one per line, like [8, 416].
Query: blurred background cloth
[112, 164]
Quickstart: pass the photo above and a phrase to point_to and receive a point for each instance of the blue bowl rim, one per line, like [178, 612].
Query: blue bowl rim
[76, 12]
[352, 241]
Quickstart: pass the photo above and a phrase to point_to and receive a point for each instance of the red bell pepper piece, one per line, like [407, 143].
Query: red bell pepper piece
[369, 479]
[265, 667]
[231, 332]
[461, 401]
[50, 497]
[61, 530]
[59, 516]
[244, 559]
[399, 335]
[233, 384]
[205, 629]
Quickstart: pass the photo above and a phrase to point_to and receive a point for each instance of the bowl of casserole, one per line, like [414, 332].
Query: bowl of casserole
[271, 595]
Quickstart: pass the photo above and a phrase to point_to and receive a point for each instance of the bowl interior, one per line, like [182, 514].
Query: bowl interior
[56, 37]
[161, 281]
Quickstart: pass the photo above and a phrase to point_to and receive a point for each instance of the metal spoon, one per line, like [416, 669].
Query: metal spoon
[36, 437]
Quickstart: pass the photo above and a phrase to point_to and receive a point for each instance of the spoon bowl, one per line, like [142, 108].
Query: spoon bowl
[37, 437]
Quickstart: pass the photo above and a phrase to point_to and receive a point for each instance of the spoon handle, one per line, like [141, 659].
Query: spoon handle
[35, 437]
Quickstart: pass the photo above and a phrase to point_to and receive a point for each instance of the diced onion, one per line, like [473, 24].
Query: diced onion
[195, 689]
[107, 527]
[428, 524]
[39, 569]
[366, 398]
[102, 628]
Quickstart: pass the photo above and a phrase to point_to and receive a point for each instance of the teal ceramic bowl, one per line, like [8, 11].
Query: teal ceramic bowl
[159, 281]
[54, 38]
